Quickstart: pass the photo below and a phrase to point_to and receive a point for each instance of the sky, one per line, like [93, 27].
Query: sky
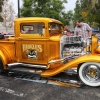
[69, 6]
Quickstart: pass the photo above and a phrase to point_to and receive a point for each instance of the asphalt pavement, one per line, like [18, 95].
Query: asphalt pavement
[16, 89]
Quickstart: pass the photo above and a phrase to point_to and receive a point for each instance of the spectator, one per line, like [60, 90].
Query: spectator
[68, 33]
[83, 29]
[65, 30]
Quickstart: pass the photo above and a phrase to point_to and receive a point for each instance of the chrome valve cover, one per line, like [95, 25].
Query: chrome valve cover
[73, 46]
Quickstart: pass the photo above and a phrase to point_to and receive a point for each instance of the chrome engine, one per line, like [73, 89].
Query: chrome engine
[73, 46]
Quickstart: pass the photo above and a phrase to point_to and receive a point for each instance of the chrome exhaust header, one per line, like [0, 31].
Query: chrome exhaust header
[57, 60]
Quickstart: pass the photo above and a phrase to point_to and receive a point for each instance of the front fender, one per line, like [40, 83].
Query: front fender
[71, 64]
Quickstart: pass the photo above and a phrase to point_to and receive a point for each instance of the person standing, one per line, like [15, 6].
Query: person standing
[83, 29]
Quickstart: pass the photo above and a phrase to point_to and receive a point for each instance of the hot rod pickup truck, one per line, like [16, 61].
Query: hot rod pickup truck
[40, 47]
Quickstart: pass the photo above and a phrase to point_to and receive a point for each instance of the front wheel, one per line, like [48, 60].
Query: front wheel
[89, 73]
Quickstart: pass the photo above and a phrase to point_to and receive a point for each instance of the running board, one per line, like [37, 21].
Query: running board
[25, 70]
[27, 65]
[71, 83]
[49, 80]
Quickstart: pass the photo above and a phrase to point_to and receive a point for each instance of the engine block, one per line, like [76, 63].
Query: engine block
[74, 46]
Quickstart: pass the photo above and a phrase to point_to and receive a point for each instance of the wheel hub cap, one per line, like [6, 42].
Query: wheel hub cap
[92, 73]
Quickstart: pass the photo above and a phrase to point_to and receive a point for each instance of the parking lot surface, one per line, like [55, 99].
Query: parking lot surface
[16, 89]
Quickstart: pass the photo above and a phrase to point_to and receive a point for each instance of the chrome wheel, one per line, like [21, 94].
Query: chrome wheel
[89, 73]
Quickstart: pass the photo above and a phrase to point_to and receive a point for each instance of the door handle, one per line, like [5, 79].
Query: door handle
[19, 38]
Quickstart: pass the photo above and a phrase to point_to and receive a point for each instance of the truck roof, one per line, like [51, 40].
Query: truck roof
[38, 19]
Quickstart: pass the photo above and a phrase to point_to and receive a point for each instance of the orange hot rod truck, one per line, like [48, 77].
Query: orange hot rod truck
[39, 46]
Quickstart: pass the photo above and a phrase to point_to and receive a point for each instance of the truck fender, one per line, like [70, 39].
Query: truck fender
[1, 66]
[71, 64]
[3, 60]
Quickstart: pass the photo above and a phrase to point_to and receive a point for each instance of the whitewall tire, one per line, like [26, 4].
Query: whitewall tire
[89, 73]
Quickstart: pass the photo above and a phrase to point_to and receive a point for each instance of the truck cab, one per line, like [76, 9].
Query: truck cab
[35, 43]
[40, 47]
[36, 39]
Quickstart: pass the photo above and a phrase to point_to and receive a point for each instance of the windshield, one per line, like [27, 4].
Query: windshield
[55, 28]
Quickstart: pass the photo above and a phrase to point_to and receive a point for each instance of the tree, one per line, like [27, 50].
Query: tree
[82, 10]
[96, 13]
[68, 17]
[27, 9]
[1, 3]
[7, 14]
[77, 12]
[44, 8]
[88, 10]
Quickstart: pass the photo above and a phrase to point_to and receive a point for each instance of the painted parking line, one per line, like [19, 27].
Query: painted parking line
[10, 91]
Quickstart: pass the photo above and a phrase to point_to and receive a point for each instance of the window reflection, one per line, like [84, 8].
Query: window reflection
[33, 28]
[55, 28]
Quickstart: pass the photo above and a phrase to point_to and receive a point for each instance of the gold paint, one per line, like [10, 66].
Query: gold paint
[92, 73]
[64, 84]
[39, 71]
[32, 46]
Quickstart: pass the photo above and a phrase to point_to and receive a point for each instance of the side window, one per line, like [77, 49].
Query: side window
[27, 29]
[55, 28]
[33, 28]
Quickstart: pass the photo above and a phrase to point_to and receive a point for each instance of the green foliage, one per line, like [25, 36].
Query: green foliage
[27, 10]
[96, 13]
[88, 11]
[46, 8]
[68, 17]
[77, 14]
[82, 10]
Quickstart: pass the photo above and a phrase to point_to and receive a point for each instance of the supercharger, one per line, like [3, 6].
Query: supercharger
[73, 46]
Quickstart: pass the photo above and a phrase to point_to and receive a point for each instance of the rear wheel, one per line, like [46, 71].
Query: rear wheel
[89, 73]
[1, 66]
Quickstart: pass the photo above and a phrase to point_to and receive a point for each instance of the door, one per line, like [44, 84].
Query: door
[31, 45]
